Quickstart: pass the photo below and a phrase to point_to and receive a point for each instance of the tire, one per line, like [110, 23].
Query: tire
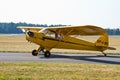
[47, 54]
[34, 53]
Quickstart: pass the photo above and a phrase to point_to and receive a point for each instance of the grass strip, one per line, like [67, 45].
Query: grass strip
[57, 71]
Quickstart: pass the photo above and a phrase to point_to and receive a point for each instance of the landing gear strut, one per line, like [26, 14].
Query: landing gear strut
[47, 54]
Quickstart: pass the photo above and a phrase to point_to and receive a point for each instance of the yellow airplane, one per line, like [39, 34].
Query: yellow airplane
[61, 37]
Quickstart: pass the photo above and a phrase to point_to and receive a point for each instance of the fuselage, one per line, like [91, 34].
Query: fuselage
[67, 42]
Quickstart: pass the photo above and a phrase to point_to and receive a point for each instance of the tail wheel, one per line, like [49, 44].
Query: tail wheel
[34, 53]
[47, 54]
[104, 54]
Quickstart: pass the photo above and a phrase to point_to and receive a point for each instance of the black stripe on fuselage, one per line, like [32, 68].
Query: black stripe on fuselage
[65, 41]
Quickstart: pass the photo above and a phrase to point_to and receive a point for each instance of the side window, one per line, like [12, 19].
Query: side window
[58, 36]
[55, 35]
[50, 35]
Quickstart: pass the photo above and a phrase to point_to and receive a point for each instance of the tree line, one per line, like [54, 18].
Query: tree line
[11, 28]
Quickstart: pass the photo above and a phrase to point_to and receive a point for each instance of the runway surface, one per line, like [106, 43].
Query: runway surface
[68, 58]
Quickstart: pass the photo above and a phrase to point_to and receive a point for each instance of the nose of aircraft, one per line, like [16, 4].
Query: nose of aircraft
[31, 34]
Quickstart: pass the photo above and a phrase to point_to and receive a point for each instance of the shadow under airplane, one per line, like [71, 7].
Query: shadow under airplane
[97, 59]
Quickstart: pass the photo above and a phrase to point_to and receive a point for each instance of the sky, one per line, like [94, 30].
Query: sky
[103, 13]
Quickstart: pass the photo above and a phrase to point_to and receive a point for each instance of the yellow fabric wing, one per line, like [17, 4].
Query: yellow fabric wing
[25, 28]
[78, 30]
[69, 30]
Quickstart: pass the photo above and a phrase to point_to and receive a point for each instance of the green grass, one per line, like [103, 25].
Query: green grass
[58, 71]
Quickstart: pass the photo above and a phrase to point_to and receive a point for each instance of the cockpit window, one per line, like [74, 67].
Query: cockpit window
[55, 35]
[51, 34]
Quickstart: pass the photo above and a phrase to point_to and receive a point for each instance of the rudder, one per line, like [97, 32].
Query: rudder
[103, 42]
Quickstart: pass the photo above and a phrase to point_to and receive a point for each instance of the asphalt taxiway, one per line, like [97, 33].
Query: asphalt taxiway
[68, 58]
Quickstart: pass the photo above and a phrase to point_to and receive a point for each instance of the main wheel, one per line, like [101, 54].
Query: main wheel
[34, 53]
[47, 54]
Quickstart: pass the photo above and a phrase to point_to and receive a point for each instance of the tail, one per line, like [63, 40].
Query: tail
[102, 42]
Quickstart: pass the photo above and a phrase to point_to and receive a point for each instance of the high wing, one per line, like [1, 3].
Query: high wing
[70, 30]
[78, 30]
[26, 28]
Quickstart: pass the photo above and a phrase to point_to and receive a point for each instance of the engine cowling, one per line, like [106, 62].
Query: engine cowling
[31, 34]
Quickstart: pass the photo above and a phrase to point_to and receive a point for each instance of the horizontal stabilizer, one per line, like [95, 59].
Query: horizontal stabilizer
[111, 48]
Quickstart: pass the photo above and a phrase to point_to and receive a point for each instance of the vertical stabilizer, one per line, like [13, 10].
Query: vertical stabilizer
[103, 41]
